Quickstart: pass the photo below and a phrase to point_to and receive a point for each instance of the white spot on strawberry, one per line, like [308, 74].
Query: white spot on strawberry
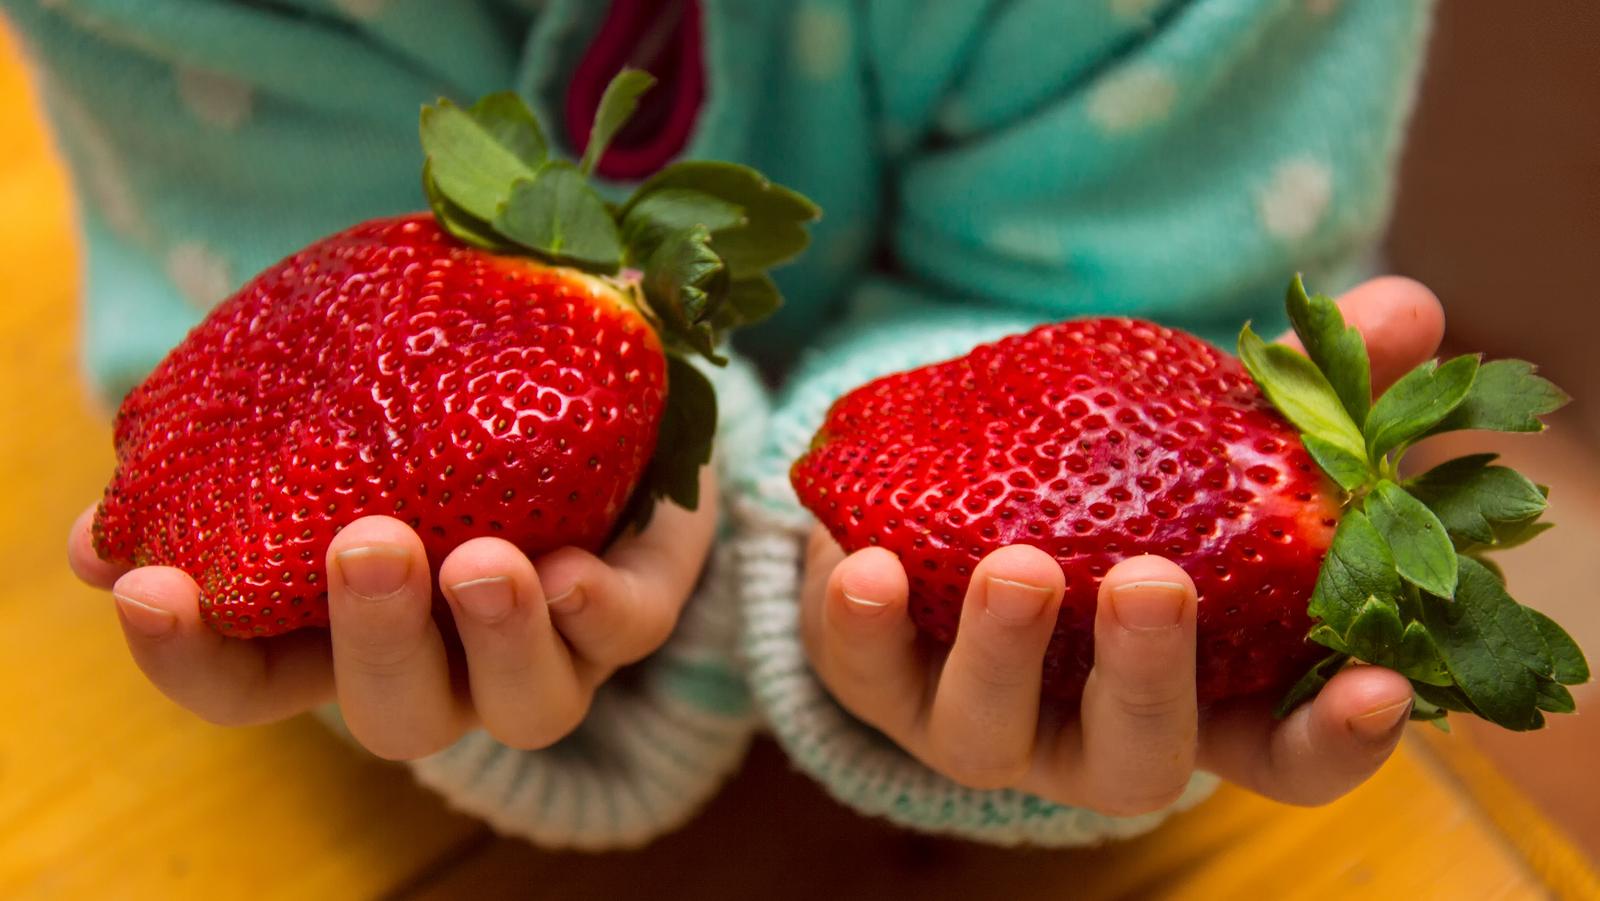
[1132, 98]
[202, 276]
[821, 39]
[1292, 203]
[214, 98]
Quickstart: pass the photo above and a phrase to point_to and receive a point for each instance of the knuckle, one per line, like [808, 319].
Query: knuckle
[1132, 804]
[557, 718]
[1152, 705]
[983, 769]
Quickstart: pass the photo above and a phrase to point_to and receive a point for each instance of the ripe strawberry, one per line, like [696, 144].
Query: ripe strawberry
[1101, 439]
[511, 366]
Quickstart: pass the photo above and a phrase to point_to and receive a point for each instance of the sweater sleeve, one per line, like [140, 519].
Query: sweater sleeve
[1174, 160]
[205, 141]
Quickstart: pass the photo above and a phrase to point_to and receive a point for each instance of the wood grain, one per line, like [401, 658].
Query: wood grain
[109, 791]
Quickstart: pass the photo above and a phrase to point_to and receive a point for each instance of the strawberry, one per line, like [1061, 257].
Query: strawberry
[1270, 478]
[512, 365]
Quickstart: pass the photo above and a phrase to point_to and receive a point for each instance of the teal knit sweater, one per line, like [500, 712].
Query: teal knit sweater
[983, 165]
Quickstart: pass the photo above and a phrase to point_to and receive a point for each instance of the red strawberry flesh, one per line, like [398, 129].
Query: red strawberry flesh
[388, 370]
[1095, 440]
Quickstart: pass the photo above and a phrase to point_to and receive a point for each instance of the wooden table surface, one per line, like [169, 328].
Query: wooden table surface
[109, 791]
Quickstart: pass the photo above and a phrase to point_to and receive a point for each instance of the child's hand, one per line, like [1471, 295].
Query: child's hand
[974, 715]
[539, 636]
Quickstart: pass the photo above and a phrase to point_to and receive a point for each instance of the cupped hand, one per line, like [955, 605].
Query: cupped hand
[973, 713]
[536, 637]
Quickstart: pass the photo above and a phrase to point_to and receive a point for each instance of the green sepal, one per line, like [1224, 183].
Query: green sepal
[1299, 390]
[1405, 584]
[459, 223]
[1358, 566]
[475, 155]
[749, 301]
[1506, 396]
[1494, 650]
[1347, 470]
[685, 281]
[559, 216]
[1425, 711]
[1417, 402]
[1477, 502]
[1567, 664]
[1378, 636]
[617, 104]
[1423, 554]
[1336, 348]
[1311, 683]
[688, 430]
[773, 230]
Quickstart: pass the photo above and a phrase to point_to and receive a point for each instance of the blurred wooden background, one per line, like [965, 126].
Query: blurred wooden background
[106, 790]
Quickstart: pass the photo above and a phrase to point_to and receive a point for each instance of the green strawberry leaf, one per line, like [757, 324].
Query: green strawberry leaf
[1347, 470]
[1423, 554]
[1311, 683]
[1337, 349]
[1358, 566]
[1446, 698]
[1492, 648]
[647, 223]
[1417, 402]
[1377, 636]
[557, 215]
[1299, 390]
[749, 301]
[1475, 501]
[1554, 697]
[458, 222]
[1507, 396]
[617, 104]
[684, 281]
[1567, 664]
[474, 156]
[775, 217]
[688, 428]
[1425, 711]
[1515, 534]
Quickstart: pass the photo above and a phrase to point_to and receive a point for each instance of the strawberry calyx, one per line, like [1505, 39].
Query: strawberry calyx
[691, 247]
[1406, 583]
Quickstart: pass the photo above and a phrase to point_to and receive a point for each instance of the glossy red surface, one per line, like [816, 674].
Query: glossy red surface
[385, 370]
[1095, 440]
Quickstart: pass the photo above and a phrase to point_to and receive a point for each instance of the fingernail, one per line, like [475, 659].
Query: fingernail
[568, 601]
[488, 599]
[1014, 603]
[1148, 605]
[151, 622]
[375, 572]
[1382, 722]
[865, 606]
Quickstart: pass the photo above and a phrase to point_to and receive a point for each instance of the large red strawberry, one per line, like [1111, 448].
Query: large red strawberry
[512, 365]
[1100, 439]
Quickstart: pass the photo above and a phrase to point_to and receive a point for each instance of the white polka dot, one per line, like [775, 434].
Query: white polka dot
[1294, 201]
[1024, 242]
[214, 98]
[104, 180]
[202, 276]
[1134, 10]
[1132, 98]
[821, 39]
[361, 9]
[1321, 7]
